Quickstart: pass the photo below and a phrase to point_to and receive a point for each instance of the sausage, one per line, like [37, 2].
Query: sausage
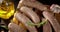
[30, 13]
[15, 28]
[55, 8]
[23, 19]
[35, 4]
[52, 20]
[47, 26]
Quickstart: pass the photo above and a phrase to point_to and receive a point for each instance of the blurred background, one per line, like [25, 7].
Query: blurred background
[6, 6]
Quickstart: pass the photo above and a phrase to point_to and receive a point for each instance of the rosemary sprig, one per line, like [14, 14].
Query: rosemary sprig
[38, 24]
[4, 27]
